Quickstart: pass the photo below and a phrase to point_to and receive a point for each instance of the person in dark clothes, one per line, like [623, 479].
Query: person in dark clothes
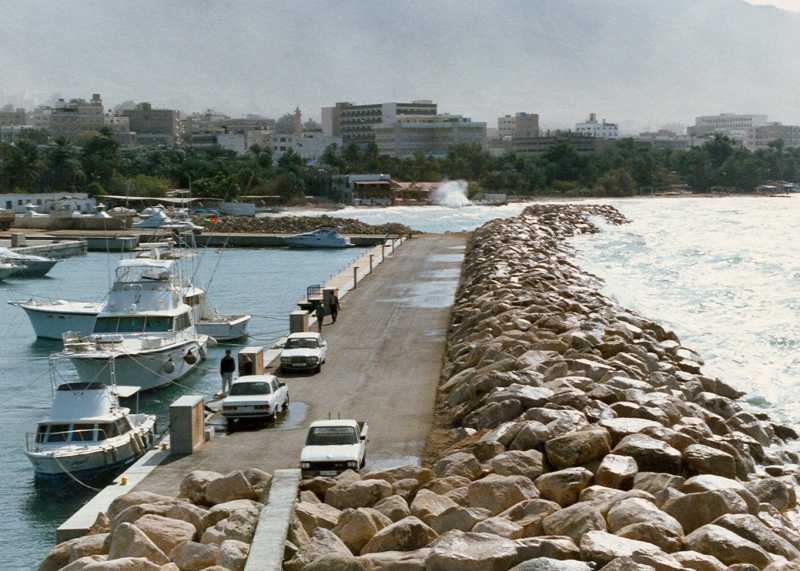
[320, 313]
[227, 367]
[334, 307]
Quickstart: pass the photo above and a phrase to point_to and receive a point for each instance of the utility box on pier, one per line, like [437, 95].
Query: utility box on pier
[186, 424]
[298, 321]
[17, 240]
[251, 361]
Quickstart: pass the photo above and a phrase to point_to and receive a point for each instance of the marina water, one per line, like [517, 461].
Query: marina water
[266, 283]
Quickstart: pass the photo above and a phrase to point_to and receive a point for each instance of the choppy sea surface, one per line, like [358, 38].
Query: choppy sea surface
[724, 274]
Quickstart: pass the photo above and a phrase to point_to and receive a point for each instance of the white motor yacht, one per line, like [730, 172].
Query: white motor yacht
[27, 265]
[88, 434]
[52, 318]
[326, 237]
[144, 332]
[157, 218]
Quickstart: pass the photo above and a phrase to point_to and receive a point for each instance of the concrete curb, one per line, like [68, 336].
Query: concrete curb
[266, 550]
[80, 522]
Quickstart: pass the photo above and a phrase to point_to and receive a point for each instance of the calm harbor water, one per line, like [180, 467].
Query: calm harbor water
[266, 283]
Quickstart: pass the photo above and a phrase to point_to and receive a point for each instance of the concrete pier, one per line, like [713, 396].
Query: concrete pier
[384, 359]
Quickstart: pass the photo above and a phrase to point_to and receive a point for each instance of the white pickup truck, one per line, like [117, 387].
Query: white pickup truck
[333, 446]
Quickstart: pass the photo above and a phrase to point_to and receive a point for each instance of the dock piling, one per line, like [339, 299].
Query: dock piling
[355, 277]
[370, 263]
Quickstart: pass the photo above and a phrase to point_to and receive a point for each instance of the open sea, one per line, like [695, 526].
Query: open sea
[723, 273]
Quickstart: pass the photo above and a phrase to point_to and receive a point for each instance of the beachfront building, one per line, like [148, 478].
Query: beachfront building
[154, 126]
[597, 129]
[518, 126]
[310, 145]
[665, 139]
[10, 117]
[429, 135]
[70, 119]
[739, 127]
[544, 142]
[356, 123]
[45, 202]
[773, 132]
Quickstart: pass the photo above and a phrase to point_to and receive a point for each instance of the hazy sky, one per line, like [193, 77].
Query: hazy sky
[784, 4]
[639, 62]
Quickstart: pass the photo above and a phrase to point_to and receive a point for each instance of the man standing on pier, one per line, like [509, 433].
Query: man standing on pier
[227, 367]
[334, 307]
[320, 313]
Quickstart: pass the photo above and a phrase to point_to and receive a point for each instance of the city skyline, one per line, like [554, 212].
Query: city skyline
[249, 57]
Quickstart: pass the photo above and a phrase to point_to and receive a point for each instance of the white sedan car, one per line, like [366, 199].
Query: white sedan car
[256, 396]
[304, 351]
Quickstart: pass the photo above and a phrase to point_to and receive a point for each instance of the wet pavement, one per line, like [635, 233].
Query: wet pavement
[384, 359]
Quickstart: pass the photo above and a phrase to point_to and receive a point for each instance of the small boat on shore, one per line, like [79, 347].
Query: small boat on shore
[27, 265]
[88, 435]
[325, 237]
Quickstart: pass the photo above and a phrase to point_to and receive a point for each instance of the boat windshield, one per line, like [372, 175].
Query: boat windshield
[250, 389]
[301, 343]
[331, 436]
[132, 274]
[142, 324]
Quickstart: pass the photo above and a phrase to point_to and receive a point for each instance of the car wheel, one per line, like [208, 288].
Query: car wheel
[363, 461]
[318, 369]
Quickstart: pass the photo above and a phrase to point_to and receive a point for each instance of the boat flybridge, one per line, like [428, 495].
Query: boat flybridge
[144, 331]
[88, 434]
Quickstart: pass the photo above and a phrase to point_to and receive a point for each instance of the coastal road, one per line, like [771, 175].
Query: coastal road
[384, 359]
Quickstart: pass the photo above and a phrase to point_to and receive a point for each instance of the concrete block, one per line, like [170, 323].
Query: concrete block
[186, 424]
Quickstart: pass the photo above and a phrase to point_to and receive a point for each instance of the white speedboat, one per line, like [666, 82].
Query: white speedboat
[326, 237]
[88, 434]
[7, 270]
[144, 332]
[52, 318]
[28, 265]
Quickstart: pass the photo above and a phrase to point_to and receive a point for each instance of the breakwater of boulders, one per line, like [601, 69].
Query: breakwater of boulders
[571, 435]
[298, 224]
[209, 526]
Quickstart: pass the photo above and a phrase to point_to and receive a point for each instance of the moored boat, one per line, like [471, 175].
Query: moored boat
[144, 334]
[325, 237]
[88, 434]
[27, 265]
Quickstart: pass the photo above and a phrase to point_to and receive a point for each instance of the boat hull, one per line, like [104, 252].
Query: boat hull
[224, 329]
[52, 324]
[148, 370]
[95, 462]
[312, 244]
[34, 268]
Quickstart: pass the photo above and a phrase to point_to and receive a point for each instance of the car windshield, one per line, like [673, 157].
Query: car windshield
[249, 389]
[301, 343]
[331, 436]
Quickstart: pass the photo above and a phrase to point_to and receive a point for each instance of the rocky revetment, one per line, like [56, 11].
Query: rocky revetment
[298, 224]
[209, 526]
[571, 435]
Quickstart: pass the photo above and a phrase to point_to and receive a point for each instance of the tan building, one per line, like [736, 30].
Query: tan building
[767, 134]
[70, 119]
[10, 116]
[430, 136]
[154, 126]
[518, 126]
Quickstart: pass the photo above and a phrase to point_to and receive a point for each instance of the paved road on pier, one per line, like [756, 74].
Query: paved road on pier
[384, 358]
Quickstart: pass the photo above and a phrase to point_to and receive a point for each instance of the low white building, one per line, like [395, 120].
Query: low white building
[310, 145]
[597, 129]
[46, 202]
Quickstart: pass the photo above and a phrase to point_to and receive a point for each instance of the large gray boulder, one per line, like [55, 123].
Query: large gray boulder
[357, 526]
[548, 564]
[127, 540]
[497, 493]
[696, 510]
[358, 494]
[701, 459]
[651, 455]
[575, 521]
[616, 472]
[405, 535]
[564, 486]
[578, 448]
[166, 532]
[750, 527]
[468, 551]
[602, 547]
[726, 546]
[517, 463]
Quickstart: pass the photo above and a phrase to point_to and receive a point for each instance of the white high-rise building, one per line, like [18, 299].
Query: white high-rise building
[739, 127]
